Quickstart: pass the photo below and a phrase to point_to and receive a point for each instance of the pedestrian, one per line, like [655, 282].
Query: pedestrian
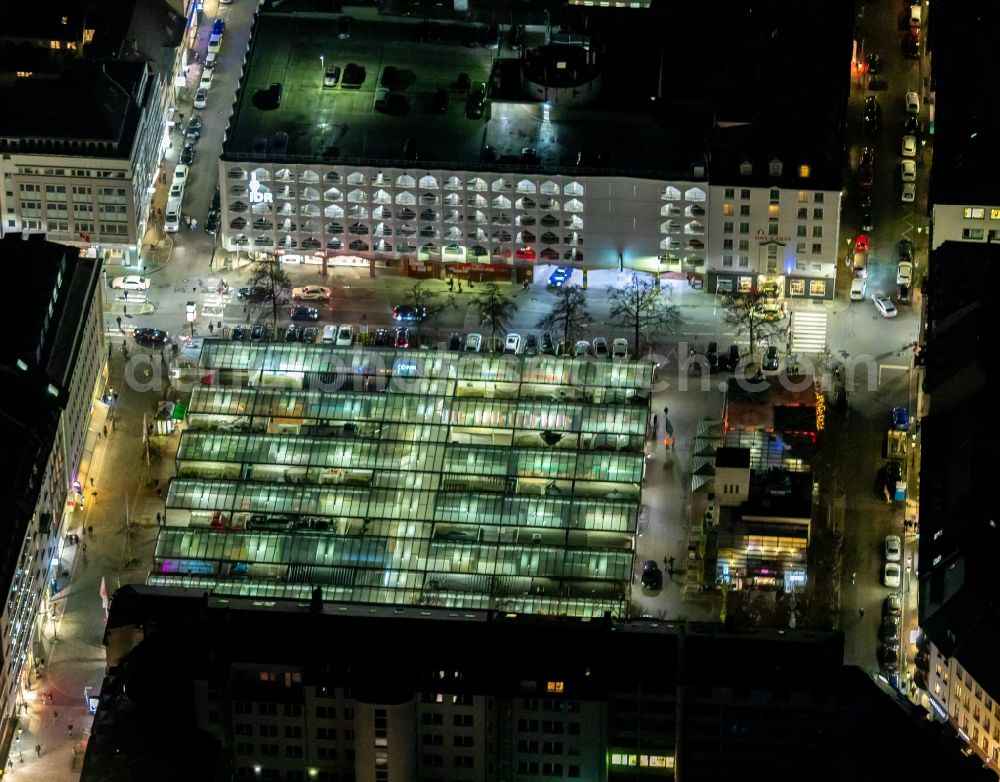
[55, 715]
[69, 729]
[671, 562]
[90, 530]
[38, 750]
[157, 518]
[126, 295]
[459, 286]
[91, 481]
[655, 422]
[105, 431]
[211, 328]
[666, 411]
[159, 492]
[119, 319]
[861, 613]
[84, 548]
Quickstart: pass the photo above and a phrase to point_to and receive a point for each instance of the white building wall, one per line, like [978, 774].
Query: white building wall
[975, 223]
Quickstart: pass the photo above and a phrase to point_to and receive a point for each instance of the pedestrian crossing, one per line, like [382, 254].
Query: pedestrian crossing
[808, 331]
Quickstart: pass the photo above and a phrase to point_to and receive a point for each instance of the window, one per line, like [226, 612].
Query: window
[744, 228]
[972, 233]
[772, 210]
[817, 214]
[804, 171]
[817, 287]
[744, 262]
[558, 686]
[803, 213]
[772, 228]
[800, 230]
[728, 210]
[800, 266]
[800, 248]
[744, 245]
[729, 193]
[727, 244]
[727, 261]
[817, 198]
[977, 213]
[775, 168]
[744, 210]
[746, 169]
[817, 231]
[817, 249]
[774, 196]
[727, 227]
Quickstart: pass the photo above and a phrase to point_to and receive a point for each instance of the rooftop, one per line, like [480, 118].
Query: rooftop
[967, 124]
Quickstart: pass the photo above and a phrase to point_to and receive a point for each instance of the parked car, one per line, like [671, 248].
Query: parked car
[311, 293]
[345, 336]
[652, 576]
[382, 96]
[219, 26]
[908, 171]
[531, 345]
[258, 332]
[293, 333]
[909, 193]
[889, 630]
[619, 349]
[892, 605]
[474, 343]
[310, 334]
[512, 344]
[181, 174]
[381, 338]
[455, 341]
[582, 348]
[905, 250]
[865, 217]
[548, 348]
[891, 575]
[733, 359]
[912, 101]
[176, 191]
[331, 76]
[240, 333]
[904, 273]
[187, 154]
[858, 287]
[900, 419]
[302, 312]
[909, 145]
[212, 222]
[206, 79]
[601, 347]
[405, 338]
[329, 334]
[344, 25]
[211, 60]
[475, 103]
[872, 115]
[133, 282]
[771, 360]
[193, 130]
[893, 548]
[151, 338]
[884, 306]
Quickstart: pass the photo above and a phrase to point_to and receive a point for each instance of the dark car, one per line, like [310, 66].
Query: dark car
[893, 474]
[381, 338]
[873, 114]
[253, 295]
[733, 359]
[193, 131]
[212, 222]
[388, 77]
[274, 93]
[439, 105]
[904, 294]
[309, 335]
[407, 312]
[911, 125]
[344, 25]
[475, 104]
[218, 26]
[910, 45]
[900, 418]
[354, 76]
[258, 332]
[712, 354]
[905, 250]
[771, 360]
[548, 348]
[874, 63]
[892, 605]
[240, 334]
[151, 338]
[455, 341]
[865, 219]
[403, 338]
[293, 333]
[560, 276]
[531, 345]
[888, 656]
[302, 312]
[889, 629]
[187, 154]
[652, 576]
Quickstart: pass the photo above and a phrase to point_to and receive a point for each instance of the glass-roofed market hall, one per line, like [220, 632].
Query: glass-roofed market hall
[409, 477]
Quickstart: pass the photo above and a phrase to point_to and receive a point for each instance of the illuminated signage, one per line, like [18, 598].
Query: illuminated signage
[974, 213]
[257, 197]
[820, 411]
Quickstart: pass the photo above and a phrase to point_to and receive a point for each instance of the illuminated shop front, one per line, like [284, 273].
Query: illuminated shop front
[400, 477]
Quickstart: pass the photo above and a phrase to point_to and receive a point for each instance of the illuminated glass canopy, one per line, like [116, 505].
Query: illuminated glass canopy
[409, 477]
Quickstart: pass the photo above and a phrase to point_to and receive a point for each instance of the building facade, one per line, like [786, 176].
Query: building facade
[55, 372]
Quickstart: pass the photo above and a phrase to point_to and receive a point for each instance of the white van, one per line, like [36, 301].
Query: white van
[215, 42]
[916, 15]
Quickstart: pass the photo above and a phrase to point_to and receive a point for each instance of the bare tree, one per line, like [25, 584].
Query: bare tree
[267, 275]
[495, 308]
[746, 312]
[569, 314]
[428, 303]
[642, 307]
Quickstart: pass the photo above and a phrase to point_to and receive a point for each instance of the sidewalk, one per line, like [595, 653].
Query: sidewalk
[56, 717]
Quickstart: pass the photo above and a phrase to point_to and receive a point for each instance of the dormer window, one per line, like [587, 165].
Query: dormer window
[746, 169]
[804, 171]
[775, 167]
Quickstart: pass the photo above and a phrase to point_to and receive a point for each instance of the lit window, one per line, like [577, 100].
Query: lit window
[804, 172]
[772, 210]
[554, 687]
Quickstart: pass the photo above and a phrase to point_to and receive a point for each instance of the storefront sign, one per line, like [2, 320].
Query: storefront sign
[820, 411]
[257, 197]
[479, 267]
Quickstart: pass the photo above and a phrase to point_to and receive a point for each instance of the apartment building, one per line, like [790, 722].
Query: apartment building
[83, 128]
[54, 361]
[958, 535]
